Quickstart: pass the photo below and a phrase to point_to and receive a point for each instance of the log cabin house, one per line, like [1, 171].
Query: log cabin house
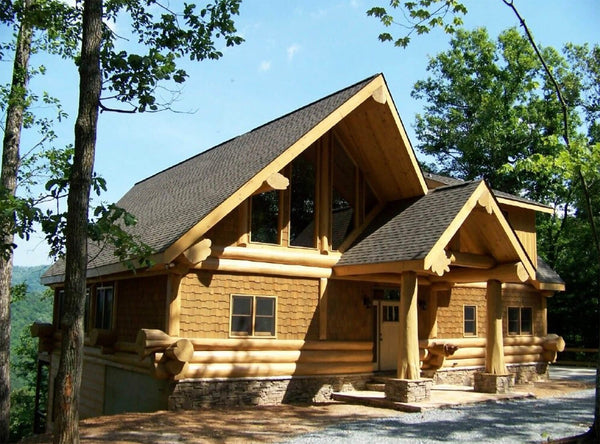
[302, 258]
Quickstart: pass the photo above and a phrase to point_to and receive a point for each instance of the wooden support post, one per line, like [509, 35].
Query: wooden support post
[243, 223]
[323, 309]
[408, 347]
[494, 348]
[324, 199]
[173, 304]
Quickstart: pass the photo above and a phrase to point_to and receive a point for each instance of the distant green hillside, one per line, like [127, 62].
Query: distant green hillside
[36, 306]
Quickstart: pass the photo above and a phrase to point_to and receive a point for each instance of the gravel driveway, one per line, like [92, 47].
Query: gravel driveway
[531, 420]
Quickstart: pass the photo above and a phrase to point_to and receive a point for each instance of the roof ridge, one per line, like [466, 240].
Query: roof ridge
[314, 102]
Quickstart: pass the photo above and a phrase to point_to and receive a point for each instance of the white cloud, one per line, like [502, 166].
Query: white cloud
[264, 66]
[292, 50]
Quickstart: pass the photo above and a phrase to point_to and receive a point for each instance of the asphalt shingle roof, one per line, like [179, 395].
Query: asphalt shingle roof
[408, 229]
[453, 181]
[170, 203]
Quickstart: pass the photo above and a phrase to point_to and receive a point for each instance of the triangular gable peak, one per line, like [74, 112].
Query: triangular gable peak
[367, 124]
[176, 207]
[455, 234]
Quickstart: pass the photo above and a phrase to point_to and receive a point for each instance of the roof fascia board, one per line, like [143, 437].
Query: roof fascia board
[277, 165]
[524, 205]
[482, 194]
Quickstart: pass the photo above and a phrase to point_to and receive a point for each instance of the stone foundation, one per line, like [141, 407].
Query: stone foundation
[193, 394]
[490, 383]
[408, 390]
[523, 373]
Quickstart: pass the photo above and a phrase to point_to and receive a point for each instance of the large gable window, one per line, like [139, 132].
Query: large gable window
[265, 218]
[302, 201]
[253, 315]
[343, 205]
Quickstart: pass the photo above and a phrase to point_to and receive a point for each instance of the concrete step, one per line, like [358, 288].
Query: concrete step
[376, 386]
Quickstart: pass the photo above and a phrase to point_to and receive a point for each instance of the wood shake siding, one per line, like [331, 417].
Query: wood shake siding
[205, 303]
[523, 297]
[347, 317]
[226, 232]
[141, 303]
[450, 318]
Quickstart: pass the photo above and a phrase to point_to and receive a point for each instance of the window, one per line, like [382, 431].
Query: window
[302, 205]
[391, 313]
[470, 320]
[265, 218]
[520, 320]
[60, 303]
[252, 315]
[104, 308]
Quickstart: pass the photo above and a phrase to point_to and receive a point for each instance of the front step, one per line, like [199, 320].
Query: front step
[376, 386]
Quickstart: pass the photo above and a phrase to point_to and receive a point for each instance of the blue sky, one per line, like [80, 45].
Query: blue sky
[295, 52]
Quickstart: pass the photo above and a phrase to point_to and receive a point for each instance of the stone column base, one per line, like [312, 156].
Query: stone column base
[408, 390]
[490, 383]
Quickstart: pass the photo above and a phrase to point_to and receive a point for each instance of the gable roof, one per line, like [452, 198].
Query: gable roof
[421, 229]
[175, 207]
[408, 230]
[434, 180]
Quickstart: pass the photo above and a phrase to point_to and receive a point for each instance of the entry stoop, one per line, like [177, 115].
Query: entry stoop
[442, 396]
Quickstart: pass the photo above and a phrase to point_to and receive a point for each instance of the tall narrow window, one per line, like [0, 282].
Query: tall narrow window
[343, 197]
[104, 307]
[302, 205]
[265, 218]
[470, 320]
[253, 315]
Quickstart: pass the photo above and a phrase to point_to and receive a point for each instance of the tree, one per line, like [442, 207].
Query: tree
[131, 79]
[425, 15]
[18, 214]
[487, 105]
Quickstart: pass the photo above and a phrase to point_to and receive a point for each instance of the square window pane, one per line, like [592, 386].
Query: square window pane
[242, 305]
[265, 326]
[241, 325]
[265, 306]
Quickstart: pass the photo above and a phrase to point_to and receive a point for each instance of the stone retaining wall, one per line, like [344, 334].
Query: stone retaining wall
[238, 392]
[464, 376]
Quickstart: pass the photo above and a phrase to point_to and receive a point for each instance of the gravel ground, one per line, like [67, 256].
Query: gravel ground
[531, 420]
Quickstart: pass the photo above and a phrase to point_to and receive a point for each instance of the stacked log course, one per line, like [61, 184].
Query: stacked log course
[231, 358]
[470, 352]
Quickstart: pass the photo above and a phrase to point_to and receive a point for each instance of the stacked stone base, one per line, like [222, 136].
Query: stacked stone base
[490, 383]
[408, 390]
[523, 373]
[193, 394]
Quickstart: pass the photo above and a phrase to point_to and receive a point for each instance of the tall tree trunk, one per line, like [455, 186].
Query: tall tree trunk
[8, 182]
[68, 379]
[593, 435]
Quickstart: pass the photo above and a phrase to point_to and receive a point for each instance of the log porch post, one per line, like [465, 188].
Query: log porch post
[494, 348]
[408, 347]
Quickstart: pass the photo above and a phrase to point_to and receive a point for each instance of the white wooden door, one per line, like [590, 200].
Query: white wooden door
[389, 330]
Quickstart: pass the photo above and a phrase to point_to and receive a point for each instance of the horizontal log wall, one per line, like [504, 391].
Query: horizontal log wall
[471, 351]
[258, 358]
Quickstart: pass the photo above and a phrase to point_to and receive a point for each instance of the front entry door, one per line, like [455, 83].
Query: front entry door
[389, 331]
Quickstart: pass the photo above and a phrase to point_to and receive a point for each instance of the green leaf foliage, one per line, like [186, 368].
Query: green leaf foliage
[488, 105]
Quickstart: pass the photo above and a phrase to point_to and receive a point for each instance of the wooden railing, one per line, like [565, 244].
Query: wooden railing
[579, 356]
